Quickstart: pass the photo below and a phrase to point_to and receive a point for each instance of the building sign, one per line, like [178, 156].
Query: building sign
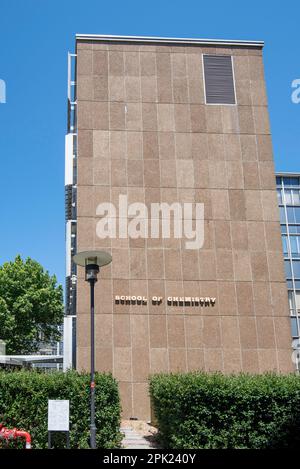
[190, 301]
[131, 300]
[171, 300]
[58, 415]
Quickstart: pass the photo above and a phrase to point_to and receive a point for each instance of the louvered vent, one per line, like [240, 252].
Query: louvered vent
[70, 296]
[218, 75]
[68, 202]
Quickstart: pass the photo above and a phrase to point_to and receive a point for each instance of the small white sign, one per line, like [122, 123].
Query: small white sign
[58, 416]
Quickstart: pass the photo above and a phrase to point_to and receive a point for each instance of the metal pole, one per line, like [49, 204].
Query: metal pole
[93, 426]
[68, 440]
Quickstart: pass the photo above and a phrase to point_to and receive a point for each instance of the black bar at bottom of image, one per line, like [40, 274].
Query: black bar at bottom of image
[139, 458]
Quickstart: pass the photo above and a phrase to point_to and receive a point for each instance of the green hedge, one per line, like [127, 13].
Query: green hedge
[199, 410]
[24, 404]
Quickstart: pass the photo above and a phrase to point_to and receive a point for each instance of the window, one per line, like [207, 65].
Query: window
[296, 269]
[284, 245]
[296, 196]
[288, 196]
[290, 285]
[290, 215]
[298, 301]
[282, 215]
[218, 79]
[293, 214]
[295, 246]
[294, 229]
[291, 196]
[294, 302]
[279, 196]
[294, 243]
[288, 269]
[294, 327]
[291, 181]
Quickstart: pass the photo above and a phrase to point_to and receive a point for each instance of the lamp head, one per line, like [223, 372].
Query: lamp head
[92, 261]
[91, 270]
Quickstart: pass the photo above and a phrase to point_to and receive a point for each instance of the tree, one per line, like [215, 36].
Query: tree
[31, 306]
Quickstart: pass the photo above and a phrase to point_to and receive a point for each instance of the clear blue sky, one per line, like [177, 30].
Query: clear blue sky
[35, 36]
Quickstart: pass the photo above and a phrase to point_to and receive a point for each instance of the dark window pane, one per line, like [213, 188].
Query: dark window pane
[283, 229]
[294, 327]
[284, 245]
[296, 269]
[294, 245]
[282, 215]
[291, 181]
[288, 270]
[278, 180]
[290, 214]
[297, 214]
[294, 181]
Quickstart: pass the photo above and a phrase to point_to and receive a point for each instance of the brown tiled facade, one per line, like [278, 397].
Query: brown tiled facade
[144, 130]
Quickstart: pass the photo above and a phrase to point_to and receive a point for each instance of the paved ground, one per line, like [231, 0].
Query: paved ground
[138, 435]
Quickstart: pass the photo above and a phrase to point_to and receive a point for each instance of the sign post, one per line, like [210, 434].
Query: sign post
[58, 419]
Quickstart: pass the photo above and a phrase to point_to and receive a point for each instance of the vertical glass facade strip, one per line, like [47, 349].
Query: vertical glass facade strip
[71, 212]
[288, 190]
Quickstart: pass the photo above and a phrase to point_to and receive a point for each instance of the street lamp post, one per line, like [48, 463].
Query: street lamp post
[92, 261]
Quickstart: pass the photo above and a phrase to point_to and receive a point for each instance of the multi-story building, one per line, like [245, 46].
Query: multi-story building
[165, 121]
[288, 192]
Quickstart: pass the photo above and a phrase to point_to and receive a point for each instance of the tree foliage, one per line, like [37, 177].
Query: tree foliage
[31, 306]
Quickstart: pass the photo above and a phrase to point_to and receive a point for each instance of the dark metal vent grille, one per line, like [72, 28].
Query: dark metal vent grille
[68, 202]
[218, 75]
[70, 296]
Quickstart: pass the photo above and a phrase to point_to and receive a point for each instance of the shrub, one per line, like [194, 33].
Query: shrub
[200, 410]
[24, 404]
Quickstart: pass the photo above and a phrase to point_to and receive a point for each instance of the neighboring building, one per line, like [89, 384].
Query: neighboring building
[288, 192]
[52, 349]
[174, 120]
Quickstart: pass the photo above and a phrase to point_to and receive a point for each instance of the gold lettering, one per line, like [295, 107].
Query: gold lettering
[171, 300]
